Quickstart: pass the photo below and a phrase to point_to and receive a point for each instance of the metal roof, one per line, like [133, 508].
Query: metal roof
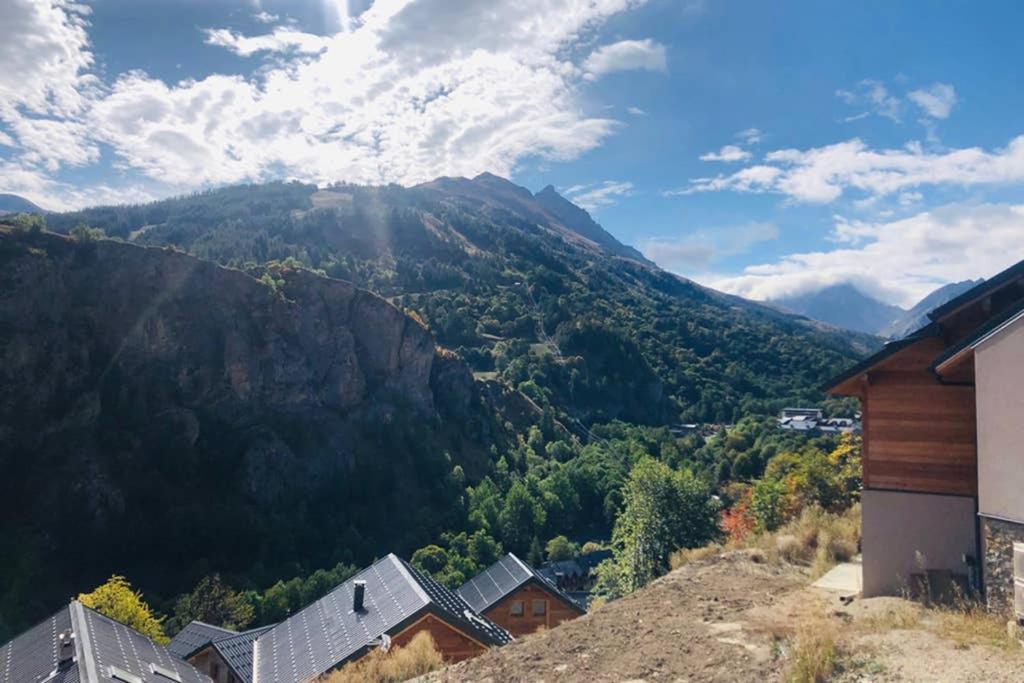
[236, 650]
[501, 579]
[194, 637]
[978, 291]
[329, 633]
[102, 647]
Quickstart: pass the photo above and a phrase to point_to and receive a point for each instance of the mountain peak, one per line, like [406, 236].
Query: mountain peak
[843, 305]
[12, 203]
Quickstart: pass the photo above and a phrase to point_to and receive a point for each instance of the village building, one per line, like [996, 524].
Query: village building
[516, 597]
[943, 466]
[225, 656]
[80, 645]
[383, 606]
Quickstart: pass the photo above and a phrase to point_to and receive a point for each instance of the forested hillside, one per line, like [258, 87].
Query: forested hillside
[263, 422]
[538, 298]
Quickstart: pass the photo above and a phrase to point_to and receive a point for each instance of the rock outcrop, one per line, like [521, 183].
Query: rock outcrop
[153, 402]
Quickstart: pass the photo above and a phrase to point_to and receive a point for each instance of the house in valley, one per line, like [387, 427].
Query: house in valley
[943, 449]
[383, 606]
[225, 656]
[516, 597]
[79, 645]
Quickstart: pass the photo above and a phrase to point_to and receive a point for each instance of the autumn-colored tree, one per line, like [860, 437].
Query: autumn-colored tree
[739, 520]
[117, 600]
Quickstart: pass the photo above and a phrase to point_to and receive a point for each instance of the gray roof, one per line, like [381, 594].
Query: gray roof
[236, 650]
[194, 637]
[103, 647]
[504, 577]
[329, 633]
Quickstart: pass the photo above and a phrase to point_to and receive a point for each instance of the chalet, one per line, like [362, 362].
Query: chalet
[942, 456]
[385, 605]
[79, 645]
[516, 597]
[225, 656]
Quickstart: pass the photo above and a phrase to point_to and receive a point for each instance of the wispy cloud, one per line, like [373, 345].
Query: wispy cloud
[625, 55]
[823, 174]
[936, 101]
[695, 251]
[595, 196]
[636, 111]
[898, 261]
[751, 136]
[727, 153]
[875, 97]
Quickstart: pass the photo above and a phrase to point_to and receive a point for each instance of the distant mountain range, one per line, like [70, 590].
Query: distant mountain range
[12, 203]
[847, 307]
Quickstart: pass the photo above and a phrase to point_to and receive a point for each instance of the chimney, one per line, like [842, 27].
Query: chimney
[65, 649]
[358, 593]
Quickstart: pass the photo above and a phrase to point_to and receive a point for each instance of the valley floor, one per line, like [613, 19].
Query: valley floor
[734, 617]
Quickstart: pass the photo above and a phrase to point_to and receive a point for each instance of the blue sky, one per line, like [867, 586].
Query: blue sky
[766, 149]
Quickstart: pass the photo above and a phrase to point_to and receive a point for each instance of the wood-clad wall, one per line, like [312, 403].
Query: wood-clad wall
[919, 434]
[453, 644]
[556, 612]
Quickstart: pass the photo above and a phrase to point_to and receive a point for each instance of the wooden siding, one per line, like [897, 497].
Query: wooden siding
[454, 645]
[555, 613]
[209, 661]
[919, 434]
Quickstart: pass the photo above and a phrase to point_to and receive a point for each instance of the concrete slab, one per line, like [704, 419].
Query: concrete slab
[846, 578]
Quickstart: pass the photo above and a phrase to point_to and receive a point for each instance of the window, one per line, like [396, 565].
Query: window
[540, 608]
[123, 676]
[517, 608]
[164, 672]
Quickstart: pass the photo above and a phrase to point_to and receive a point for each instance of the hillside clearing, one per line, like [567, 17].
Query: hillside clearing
[735, 617]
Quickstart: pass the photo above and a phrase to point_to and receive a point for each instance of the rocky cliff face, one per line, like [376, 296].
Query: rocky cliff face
[156, 403]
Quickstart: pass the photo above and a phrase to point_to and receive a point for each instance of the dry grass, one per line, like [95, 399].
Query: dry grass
[816, 539]
[815, 652]
[685, 556]
[971, 624]
[419, 657]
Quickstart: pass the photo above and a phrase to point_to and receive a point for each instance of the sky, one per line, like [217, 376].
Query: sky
[765, 149]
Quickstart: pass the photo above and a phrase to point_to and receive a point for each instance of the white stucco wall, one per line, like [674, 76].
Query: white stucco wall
[907, 533]
[999, 379]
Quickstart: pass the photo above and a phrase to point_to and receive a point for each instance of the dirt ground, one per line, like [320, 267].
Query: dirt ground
[730, 618]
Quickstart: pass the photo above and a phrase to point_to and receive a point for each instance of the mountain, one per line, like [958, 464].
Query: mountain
[218, 390]
[12, 203]
[157, 406]
[917, 316]
[533, 295]
[580, 221]
[844, 306]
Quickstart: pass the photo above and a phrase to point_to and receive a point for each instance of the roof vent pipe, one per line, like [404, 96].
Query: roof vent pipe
[358, 593]
[65, 649]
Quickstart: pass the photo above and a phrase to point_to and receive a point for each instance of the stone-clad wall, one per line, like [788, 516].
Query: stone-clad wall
[999, 539]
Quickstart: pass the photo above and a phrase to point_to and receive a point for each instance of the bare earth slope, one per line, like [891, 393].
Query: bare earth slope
[689, 623]
[732, 618]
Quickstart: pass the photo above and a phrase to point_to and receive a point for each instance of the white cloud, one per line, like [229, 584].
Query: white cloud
[636, 111]
[407, 91]
[281, 40]
[696, 250]
[727, 153]
[937, 101]
[823, 174]
[626, 55]
[593, 197]
[751, 136]
[265, 17]
[875, 96]
[44, 57]
[899, 261]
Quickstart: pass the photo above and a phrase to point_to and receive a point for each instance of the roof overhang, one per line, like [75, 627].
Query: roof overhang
[849, 383]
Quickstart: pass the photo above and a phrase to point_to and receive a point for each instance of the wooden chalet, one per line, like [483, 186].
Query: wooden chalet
[383, 606]
[223, 655]
[80, 645]
[942, 447]
[516, 597]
